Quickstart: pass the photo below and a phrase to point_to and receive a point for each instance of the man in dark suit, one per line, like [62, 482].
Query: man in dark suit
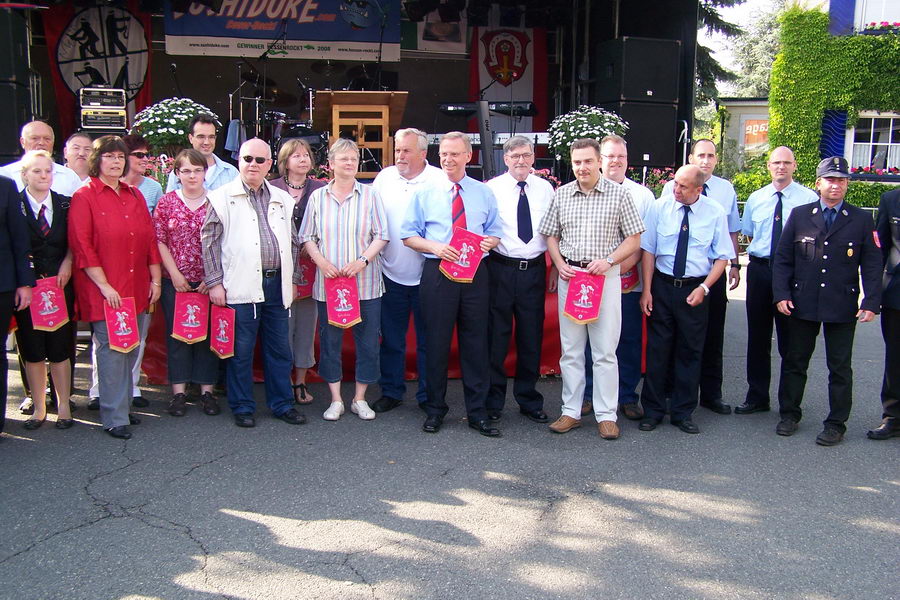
[888, 229]
[16, 275]
[823, 250]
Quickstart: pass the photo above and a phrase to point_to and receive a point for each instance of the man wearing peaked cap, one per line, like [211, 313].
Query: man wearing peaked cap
[823, 250]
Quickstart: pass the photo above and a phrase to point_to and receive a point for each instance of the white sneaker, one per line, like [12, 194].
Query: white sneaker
[362, 410]
[334, 411]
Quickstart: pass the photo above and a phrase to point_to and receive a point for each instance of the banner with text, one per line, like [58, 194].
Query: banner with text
[310, 29]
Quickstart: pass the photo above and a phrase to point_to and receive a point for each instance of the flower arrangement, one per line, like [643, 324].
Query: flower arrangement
[876, 171]
[584, 122]
[165, 124]
[656, 179]
[883, 26]
[547, 176]
[160, 169]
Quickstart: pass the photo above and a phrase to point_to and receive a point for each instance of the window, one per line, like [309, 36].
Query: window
[876, 11]
[876, 142]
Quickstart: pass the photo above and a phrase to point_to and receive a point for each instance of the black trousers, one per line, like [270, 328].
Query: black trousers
[673, 329]
[838, 356]
[6, 310]
[890, 386]
[761, 314]
[520, 294]
[711, 372]
[446, 304]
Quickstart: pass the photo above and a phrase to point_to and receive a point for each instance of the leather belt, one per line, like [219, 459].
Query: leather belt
[760, 260]
[522, 264]
[579, 263]
[679, 283]
[269, 273]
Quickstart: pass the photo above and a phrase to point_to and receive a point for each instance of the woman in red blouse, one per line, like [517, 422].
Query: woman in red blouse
[178, 219]
[114, 247]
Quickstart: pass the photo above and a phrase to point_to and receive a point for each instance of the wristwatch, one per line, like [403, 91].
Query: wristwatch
[363, 258]
[736, 266]
[610, 260]
[705, 289]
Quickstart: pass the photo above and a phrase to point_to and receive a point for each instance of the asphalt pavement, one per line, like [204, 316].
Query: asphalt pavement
[196, 508]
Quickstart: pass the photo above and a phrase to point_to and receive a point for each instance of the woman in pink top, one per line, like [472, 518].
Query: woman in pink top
[178, 218]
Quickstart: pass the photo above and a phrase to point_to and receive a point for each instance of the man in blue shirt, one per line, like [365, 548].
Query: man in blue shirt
[686, 247]
[766, 212]
[202, 136]
[460, 201]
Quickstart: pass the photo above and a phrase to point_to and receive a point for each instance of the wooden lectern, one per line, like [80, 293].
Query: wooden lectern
[366, 117]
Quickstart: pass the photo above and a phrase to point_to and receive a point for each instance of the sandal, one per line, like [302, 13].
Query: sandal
[302, 399]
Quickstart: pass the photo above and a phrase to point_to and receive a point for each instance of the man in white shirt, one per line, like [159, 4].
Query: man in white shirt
[613, 166]
[402, 267]
[765, 214]
[37, 135]
[703, 155]
[518, 283]
[76, 152]
[202, 136]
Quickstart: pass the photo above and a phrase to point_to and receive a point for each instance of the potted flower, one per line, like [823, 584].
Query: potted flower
[584, 122]
[165, 124]
[877, 28]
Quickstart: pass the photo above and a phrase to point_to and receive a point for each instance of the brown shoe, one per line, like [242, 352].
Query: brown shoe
[564, 424]
[177, 405]
[586, 408]
[633, 411]
[210, 404]
[608, 430]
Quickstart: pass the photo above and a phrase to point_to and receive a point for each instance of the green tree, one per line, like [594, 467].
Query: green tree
[755, 51]
[709, 71]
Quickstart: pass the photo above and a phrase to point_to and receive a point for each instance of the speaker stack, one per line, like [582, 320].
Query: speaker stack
[15, 96]
[637, 78]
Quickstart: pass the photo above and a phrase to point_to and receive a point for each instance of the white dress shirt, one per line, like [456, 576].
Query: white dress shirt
[36, 207]
[65, 181]
[642, 197]
[401, 264]
[540, 194]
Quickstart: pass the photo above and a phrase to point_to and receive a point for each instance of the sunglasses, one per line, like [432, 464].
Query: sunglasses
[259, 159]
[140, 155]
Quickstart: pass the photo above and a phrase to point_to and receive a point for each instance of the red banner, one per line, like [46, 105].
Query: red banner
[121, 326]
[583, 298]
[307, 270]
[222, 340]
[190, 322]
[468, 245]
[99, 45]
[48, 305]
[342, 300]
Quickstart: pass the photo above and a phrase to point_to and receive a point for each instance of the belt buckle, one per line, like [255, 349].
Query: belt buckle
[678, 283]
[523, 265]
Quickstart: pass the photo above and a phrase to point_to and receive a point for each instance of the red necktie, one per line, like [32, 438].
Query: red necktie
[458, 209]
[42, 221]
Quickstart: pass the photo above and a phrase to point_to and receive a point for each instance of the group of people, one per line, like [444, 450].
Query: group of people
[242, 239]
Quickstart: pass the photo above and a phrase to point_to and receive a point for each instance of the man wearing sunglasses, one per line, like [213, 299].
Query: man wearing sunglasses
[202, 136]
[249, 251]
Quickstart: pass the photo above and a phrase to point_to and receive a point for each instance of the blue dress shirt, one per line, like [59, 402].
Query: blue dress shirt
[722, 192]
[760, 210]
[709, 239]
[428, 215]
[216, 176]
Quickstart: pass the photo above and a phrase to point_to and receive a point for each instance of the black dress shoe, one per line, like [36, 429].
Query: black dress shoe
[432, 424]
[292, 417]
[747, 408]
[385, 404]
[140, 402]
[494, 415]
[133, 419]
[648, 424]
[94, 404]
[717, 406]
[32, 424]
[687, 426]
[830, 436]
[64, 423]
[786, 427]
[120, 432]
[538, 416]
[885, 431]
[244, 420]
[485, 428]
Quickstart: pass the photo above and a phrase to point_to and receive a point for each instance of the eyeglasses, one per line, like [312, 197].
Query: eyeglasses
[189, 172]
[113, 156]
[524, 155]
[140, 155]
[621, 157]
[259, 159]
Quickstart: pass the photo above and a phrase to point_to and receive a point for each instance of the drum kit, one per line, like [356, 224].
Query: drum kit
[264, 98]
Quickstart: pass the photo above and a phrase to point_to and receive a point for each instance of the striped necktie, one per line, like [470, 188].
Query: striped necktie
[42, 221]
[458, 209]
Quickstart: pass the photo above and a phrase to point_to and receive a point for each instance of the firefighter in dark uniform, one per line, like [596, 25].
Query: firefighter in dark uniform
[888, 229]
[824, 248]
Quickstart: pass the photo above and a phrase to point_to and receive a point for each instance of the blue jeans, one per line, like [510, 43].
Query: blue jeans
[396, 303]
[270, 319]
[365, 338]
[628, 352]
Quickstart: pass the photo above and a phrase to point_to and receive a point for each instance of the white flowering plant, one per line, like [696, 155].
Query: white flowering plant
[165, 124]
[584, 122]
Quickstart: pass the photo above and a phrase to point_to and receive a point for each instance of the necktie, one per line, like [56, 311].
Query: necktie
[706, 190]
[524, 215]
[458, 209]
[776, 225]
[681, 249]
[42, 221]
[830, 213]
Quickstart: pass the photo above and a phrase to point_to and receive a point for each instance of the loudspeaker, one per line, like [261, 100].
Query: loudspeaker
[632, 69]
[652, 132]
[16, 102]
[13, 47]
